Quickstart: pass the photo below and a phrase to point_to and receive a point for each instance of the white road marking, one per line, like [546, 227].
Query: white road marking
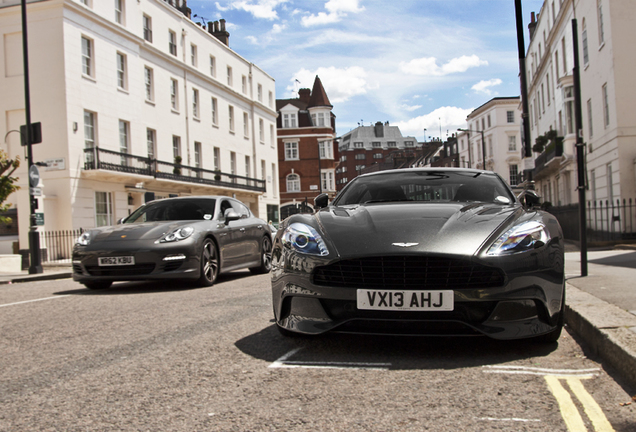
[31, 301]
[524, 370]
[284, 363]
[512, 419]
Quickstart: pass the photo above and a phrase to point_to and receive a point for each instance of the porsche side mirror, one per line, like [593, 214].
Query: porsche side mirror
[231, 216]
[121, 220]
[321, 201]
[531, 198]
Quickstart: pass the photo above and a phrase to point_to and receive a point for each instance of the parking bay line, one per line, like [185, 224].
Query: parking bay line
[35, 300]
[284, 363]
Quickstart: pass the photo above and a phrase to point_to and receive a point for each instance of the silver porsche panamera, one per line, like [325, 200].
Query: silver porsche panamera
[424, 251]
[185, 238]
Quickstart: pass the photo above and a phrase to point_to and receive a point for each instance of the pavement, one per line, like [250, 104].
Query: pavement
[600, 307]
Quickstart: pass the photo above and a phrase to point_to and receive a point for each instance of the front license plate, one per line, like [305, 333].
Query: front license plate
[116, 261]
[405, 300]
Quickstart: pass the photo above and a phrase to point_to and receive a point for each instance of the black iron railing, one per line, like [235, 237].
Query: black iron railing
[97, 158]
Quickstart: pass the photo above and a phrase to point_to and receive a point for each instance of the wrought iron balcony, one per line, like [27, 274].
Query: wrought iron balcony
[97, 158]
[552, 150]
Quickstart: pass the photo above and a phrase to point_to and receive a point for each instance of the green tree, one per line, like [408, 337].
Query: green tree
[7, 186]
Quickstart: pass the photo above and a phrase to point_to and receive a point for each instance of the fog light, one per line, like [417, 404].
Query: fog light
[511, 310]
[174, 257]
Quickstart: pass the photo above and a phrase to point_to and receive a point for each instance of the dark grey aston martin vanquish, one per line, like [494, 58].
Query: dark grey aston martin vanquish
[187, 238]
[430, 251]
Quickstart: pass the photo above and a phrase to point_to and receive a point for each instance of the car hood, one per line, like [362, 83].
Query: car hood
[448, 228]
[141, 231]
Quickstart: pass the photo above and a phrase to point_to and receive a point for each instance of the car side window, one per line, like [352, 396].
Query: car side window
[241, 209]
[225, 206]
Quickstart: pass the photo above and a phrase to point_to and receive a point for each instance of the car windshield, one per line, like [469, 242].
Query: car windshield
[173, 210]
[426, 186]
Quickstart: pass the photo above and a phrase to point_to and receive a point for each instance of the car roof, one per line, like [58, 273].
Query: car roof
[438, 169]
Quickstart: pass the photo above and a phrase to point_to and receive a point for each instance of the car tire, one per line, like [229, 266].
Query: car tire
[266, 257]
[554, 335]
[209, 263]
[97, 285]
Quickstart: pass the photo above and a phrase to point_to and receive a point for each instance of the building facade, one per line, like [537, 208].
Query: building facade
[494, 130]
[365, 146]
[306, 132]
[137, 102]
[605, 32]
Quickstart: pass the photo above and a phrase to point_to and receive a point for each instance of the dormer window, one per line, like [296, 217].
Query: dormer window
[289, 120]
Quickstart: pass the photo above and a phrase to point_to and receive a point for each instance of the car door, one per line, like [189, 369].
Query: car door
[251, 231]
[229, 237]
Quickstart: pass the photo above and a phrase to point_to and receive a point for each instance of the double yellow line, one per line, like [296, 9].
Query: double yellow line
[569, 411]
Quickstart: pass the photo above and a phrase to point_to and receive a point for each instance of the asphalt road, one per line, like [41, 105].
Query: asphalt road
[159, 357]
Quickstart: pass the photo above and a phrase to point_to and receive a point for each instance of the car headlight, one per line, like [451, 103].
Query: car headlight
[84, 239]
[520, 238]
[305, 239]
[177, 235]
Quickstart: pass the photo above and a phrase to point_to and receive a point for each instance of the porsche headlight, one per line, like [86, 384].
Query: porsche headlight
[520, 238]
[305, 239]
[84, 239]
[177, 235]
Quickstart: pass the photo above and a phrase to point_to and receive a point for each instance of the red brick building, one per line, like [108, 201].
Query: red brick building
[306, 155]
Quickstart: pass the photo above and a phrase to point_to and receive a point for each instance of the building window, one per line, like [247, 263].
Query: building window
[514, 175]
[230, 112]
[291, 151]
[377, 155]
[512, 143]
[233, 166]
[197, 157]
[174, 94]
[229, 76]
[244, 84]
[325, 149]
[271, 99]
[119, 12]
[489, 115]
[610, 184]
[214, 112]
[172, 42]
[89, 130]
[121, 71]
[408, 144]
[289, 120]
[510, 116]
[150, 142]
[124, 138]
[259, 93]
[327, 179]
[568, 101]
[261, 131]
[358, 144]
[606, 114]
[213, 66]
[376, 144]
[343, 158]
[248, 171]
[217, 159]
[87, 56]
[148, 81]
[103, 208]
[195, 103]
[246, 125]
[293, 183]
[601, 31]
[147, 23]
[272, 139]
[360, 156]
[392, 144]
[193, 55]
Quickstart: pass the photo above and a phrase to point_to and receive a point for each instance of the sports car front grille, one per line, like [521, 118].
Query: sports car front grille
[133, 270]
[408, 272]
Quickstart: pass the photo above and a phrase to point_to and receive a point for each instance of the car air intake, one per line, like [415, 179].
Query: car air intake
[408, 272]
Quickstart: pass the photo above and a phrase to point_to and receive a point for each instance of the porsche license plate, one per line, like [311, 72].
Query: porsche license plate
[116, 261]
[405, 300]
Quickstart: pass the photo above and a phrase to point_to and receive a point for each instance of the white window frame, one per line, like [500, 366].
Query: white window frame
[230, 111]
[215, 111]
[512, 143]
[195, 103]
[293, 182]
[122, 71]
[147, 27]
[149, 84]
[172, 43]
[291, 150]
[88, 59]
[246, 125]
[174, 94]
[230, 79]
[120, 12]
[213, 66]
[606, 114]
[103, 200]
[259, 92]
[151, 143]
[194, 60]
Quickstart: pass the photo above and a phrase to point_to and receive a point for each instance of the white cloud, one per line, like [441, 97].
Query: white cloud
[484, 86]
[337, 9]
[340, 84]
[448, 118]
[428, 66]
[411, 108]
[264, 9]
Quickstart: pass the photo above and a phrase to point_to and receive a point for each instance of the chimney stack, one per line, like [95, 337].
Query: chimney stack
[217, 29]
[304, 95]
[533, 25]
[379, 130]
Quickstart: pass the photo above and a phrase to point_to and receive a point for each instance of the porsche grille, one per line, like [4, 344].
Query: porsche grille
[408, 272]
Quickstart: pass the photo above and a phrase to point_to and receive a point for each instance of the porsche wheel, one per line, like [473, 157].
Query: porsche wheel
[97, 285]
[209, 263]
[266, 257]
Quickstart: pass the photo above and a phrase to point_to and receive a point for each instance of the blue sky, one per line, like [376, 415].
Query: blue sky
[414, 63]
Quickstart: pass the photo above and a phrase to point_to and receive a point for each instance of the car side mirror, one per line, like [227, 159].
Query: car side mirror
[230, 216]
[321, 201]
[531, 198]
[121, 220]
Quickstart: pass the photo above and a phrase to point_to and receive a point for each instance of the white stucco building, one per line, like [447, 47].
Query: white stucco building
[136, 102]
[606, 33]
[499, 119]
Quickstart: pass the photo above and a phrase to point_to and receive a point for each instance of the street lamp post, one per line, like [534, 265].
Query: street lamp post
[483, 144]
